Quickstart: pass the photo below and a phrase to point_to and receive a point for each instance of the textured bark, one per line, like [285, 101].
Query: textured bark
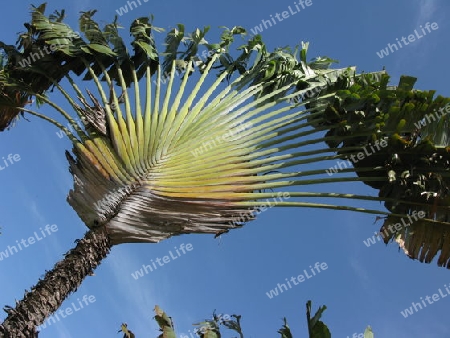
[7, 116]
[49, 293]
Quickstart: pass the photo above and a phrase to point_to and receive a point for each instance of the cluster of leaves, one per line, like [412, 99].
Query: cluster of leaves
[52, 48]
[414, 164]
[412, 170]
[274, 70]
[210, 328]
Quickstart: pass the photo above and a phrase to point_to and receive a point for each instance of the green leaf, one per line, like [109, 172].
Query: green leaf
[316, 328]
[165, 323]
[368, 333]
[102, 49]
[285, 331]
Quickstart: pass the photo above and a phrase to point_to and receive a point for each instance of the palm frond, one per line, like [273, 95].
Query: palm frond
[202, 165]
[201, 155]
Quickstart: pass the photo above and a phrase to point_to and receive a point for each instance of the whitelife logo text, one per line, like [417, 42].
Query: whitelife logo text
[411, 38]
[86, 300]
[25, 243]
[319, 267]
[166, 259]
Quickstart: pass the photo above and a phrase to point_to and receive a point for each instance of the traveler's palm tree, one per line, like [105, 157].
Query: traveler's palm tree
[184, 151]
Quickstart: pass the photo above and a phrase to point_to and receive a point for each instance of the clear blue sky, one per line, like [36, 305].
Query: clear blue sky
[362, 285]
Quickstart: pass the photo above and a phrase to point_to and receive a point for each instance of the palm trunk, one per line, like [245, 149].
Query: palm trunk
[49, 293]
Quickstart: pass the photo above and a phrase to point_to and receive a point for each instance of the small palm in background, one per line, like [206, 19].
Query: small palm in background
[211, 328]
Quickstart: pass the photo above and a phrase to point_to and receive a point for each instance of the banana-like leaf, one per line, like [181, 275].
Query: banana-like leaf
[285, 331]
[165, 323]
[368, 333]
[316, 328]
[126, 332]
